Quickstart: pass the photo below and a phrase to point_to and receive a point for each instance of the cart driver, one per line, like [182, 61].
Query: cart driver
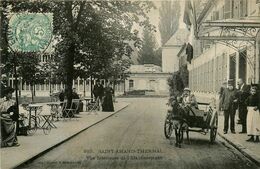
[188, 98]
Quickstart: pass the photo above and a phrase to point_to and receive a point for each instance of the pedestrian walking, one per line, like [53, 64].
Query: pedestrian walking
[243, 93]
[107, 104]
[253, 117]
[98, 92]
[228, 105]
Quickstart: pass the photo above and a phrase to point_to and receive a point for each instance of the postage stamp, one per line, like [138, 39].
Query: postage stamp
[30, 32]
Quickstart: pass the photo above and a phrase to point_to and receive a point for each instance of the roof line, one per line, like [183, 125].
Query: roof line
[182, 48]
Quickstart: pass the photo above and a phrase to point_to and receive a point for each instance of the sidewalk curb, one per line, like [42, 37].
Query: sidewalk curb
[246, 152]
[67, 139]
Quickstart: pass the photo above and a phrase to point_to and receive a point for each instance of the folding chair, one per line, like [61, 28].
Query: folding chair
[63, 107]
[72, 110]
[94, 106]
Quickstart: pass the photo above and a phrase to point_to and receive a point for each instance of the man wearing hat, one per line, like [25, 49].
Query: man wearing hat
[188, 98]
[243, 93]
[9, 117]
[228, 104]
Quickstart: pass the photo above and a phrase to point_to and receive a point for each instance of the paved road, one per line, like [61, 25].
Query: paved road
[133, 138]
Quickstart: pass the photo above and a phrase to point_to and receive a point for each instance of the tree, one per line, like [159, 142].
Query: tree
[158, 56]
[147, 53]
[117, 71]
[184, 74]
[169, 19]
[175, 83]
[90, 33]
[30, 70]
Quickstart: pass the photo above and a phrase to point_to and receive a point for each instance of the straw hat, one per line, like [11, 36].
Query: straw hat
[187, 89]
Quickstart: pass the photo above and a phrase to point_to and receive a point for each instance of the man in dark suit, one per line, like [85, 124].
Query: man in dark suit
[228, 102]
[243, 93]
[98, 90]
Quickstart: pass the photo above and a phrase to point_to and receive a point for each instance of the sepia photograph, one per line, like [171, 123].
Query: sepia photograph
[130, 84]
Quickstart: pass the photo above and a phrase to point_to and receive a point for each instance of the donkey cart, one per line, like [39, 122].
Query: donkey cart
[184, 118]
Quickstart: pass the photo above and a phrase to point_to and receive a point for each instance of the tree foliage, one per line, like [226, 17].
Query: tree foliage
[184, 74]
[148, 53]
[178, 81]
[176, 85]
[90, 35]
[169, 19]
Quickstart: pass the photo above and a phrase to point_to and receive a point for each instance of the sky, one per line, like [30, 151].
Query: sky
[155, 18]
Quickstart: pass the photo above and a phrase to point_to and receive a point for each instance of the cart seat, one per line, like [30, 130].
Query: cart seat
[197, 117]
[198, 113]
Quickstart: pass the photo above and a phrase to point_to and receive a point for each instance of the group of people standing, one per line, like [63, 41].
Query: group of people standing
[104, 96]
[245, 99]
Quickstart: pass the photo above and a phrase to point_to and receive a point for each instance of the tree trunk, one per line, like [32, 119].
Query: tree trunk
[124, 88]
[69, 71]
[84, 83]
[32, 91]
[91, 87]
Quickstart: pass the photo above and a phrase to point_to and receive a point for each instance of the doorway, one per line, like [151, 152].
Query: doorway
[232, 67]
[242, 65]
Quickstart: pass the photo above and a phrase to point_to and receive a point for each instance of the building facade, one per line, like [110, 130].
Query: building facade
[170, 61]
[147, 77]
[226, 39]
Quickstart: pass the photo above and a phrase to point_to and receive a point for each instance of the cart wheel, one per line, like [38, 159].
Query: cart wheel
[33, 128]
[168, 126]
[47, 129]
[214, 128]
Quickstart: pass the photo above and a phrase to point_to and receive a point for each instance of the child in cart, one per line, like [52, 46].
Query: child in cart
[253, 116]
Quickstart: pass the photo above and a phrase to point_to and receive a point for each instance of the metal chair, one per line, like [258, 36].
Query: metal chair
[94, 106]
[72, 110]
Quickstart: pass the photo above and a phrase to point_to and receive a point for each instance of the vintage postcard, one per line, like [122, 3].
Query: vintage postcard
[129, 84]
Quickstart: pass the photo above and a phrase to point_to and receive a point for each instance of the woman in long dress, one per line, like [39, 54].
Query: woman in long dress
[253, 116]
[107, 105]
[8, 125]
